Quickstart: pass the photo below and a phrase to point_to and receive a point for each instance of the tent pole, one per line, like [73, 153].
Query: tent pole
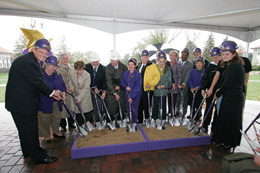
[248, 43]
[114, 34]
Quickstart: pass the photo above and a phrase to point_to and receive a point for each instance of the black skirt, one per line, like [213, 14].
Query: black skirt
[229, 121]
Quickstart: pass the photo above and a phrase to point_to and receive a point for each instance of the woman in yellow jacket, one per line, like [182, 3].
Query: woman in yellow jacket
[151, 77]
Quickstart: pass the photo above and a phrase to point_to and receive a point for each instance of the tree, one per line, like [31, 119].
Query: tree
[225, 39]
[21, 42]
[155, 36]
[191, 42]
[82, 56]
[209, 44]
[20, 45]
[62, 47]
[137, 50]
[125, 59]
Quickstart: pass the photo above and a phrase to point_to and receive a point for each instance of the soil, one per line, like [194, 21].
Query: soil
[120, 136]
[109, 137]
[169, 133]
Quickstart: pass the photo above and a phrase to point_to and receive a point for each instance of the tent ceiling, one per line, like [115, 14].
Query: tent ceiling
[237, 18]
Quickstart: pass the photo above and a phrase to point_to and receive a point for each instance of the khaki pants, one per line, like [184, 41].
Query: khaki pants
[45, 120]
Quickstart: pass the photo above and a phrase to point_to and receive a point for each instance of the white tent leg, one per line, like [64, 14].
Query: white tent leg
[248, 43]
[114, 34]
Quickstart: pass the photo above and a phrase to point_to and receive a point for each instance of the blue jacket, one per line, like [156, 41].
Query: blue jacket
[55, 81]
[134, 81]
[195, 78]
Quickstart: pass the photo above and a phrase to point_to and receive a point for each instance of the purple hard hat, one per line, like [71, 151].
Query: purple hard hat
[215, 51]
[185, 50]
[161, 54]
[43, 43]
[52, 60]
[132, 60]
[197, 50]
[228, 46]
[145, 53]
[201, 59]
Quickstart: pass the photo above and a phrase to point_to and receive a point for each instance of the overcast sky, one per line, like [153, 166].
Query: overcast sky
[81, 38]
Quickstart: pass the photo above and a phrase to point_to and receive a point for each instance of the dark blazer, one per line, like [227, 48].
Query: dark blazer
[185, 72]
[24, 85]
[100, 81]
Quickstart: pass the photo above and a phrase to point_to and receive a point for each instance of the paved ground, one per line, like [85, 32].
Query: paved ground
[205, 158]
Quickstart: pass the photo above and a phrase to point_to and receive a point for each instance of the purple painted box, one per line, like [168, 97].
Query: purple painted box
[77, 153]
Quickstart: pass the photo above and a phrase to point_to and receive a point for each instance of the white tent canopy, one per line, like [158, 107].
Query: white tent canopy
[236, 18]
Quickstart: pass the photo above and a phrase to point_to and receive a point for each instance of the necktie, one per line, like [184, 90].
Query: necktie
[94, 74]
[142, 70]
[40, 65]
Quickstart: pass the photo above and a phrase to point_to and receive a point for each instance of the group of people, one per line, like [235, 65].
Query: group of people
[34, 92]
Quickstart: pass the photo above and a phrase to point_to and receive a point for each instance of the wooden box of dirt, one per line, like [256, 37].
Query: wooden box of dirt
[106, 142]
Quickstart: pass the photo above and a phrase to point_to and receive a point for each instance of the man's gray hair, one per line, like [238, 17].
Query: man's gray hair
[64, 53]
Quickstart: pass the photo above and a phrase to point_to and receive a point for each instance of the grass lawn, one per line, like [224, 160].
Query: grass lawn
[253, 90]
[254, 77]
[3, 81]
[2, 94]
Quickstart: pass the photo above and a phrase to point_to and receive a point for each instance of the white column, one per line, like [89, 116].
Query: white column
[114, 34]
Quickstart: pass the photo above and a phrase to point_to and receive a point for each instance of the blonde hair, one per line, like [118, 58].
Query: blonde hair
[79, 65]
[171, 52]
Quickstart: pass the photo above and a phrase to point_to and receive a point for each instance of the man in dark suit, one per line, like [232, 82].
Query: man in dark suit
[23, 89]
[98, 79]
[185, 74]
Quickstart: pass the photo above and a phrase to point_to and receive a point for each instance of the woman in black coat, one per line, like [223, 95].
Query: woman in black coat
[229, 122]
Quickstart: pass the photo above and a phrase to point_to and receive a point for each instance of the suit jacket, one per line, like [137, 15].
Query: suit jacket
[100, 81]
[81, 86]
[69, 99]
[113, 76]
[185, 72]
[24, 85]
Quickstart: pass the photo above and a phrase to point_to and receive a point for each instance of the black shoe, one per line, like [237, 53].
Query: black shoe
[72, 126]
[57, 136]
[228, 148]
[48, 159]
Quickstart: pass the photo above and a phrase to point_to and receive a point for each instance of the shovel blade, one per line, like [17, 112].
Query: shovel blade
[82, 131]
[111, 127]
[171, 121]
[188, 125]
[122, 123]
[176, 122]
[104, 124]
[159, 124]
[147, 123]
[200, 131]
[152, 123]
[128, 128]
[89, 126]
[132, 128]
[99, 126]
[184, 121]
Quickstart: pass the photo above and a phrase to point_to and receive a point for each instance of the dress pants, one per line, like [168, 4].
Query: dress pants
[143, 106]
[27, 125]
[157, 105]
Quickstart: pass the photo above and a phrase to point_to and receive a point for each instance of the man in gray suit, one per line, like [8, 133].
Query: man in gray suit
[185, 73]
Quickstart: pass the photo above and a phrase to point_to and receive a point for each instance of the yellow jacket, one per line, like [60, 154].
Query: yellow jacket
[151, 76]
